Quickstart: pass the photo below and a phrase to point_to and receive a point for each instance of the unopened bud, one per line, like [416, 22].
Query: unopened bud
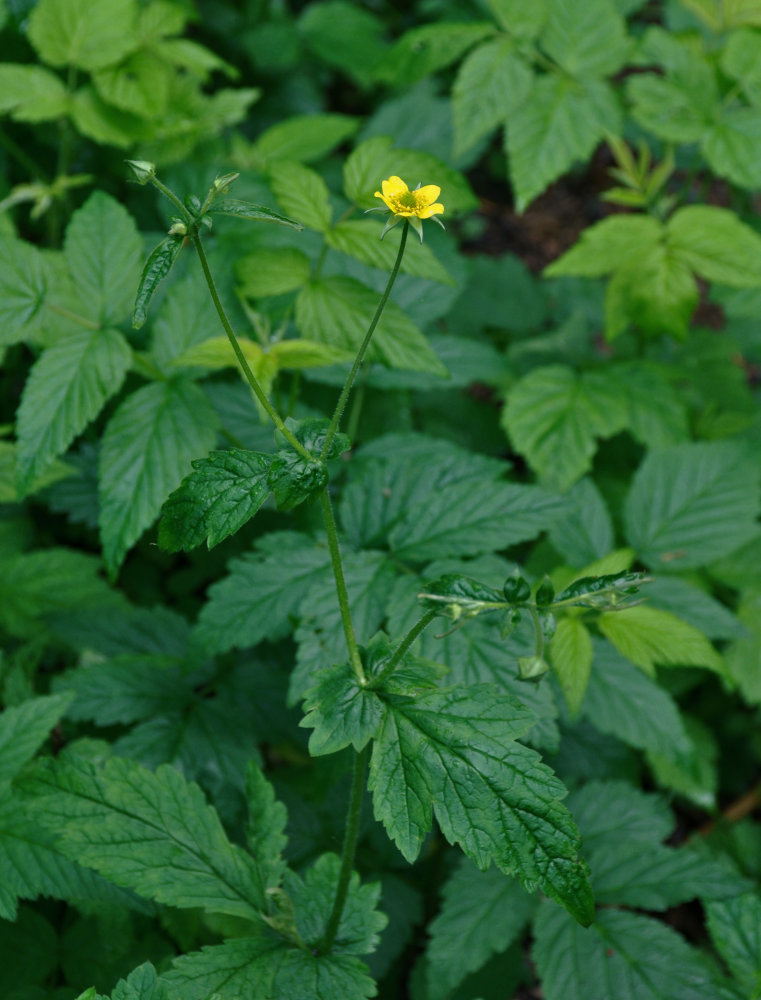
[222, 184]
[178, 228]
[142, 170]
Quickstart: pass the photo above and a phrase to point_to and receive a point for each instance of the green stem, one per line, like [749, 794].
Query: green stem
[23, 158]
[172, 197]
[341, 404]
[402, 648]
[250, 377]
[348, 851]
[539, 648]
[341, 591]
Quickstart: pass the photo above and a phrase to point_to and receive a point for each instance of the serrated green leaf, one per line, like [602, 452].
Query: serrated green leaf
[428, 48]
[340, 711]
[586, 42]
[692, 503]
[140, 84]
[361, 239]
[691, 772]
[338, 311]
[295, 480]
[482, 913]
[657, 293]
[23, 286]
[147, 449]
[715, 244]
[696, 607]
[491, 83]
[156, 268]
[608, 245]
[623, 702]
[648, 636]
[584, 531]
[731, 145]
[345, 36]
[741, 59]
[253, 213]
[241, 967]
[262, 592]
[265, 829]
[302, 193]
[375, 159]
[83, 33]
[519, 19]
[141, 984]
[272, 271]
[102, 122]
[622, 955]
[451, 524]
[224, 492]
[303, 137]
[582, 113]
[151, 831]
[23, 728]
[735, 927]
[452, 751]
[743, 657]
[571, 654]
[65, 390]
[31, 93]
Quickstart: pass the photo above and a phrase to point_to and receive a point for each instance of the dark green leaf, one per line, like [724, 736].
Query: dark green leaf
[294, 480]
[141, 984]
[23, 728]
[248, 210]
[23, 285]
[340, 711]
[735, 927]
[265, 831]
[155, 269]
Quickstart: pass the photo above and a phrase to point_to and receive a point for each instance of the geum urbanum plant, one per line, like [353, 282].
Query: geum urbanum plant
[449, 751]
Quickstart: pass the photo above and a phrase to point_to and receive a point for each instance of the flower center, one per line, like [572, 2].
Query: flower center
[407, 199]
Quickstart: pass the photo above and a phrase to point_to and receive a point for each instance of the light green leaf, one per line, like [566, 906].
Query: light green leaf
[102, 122]
[648, 636]
[224, 492]
[23, 286]
[621, 701]
[31, 93]
[428, 48]
[338, 311]
[692, 503]
[559, 123]
[656, 293]
[471, 517]
[156, 268]
[481, 914]
[249, 210]
[65, 390]
[302, 193]
[571, 654]
[272, 271]
[587, 41]
[609, 245]
[518, 18]
[151, 831]
[83, 33]
[490, 85]
[375, 160]
[262, 592]
[735, 926]
[303, 138]
[140, 84]
[744, 655]
[714, 243]
[741, 59]
[731, 146]
[23, 728]
[361, 239]
[720, 15]
[147, 449]
[623, 955]
[452, 751]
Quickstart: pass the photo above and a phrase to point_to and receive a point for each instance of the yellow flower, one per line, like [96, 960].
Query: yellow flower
[413, 206]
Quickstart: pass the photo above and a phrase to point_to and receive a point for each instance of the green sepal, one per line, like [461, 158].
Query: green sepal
[156, 268]
[545, 594]
[516, 590]
[532, 667]
[226, 489]
[602, 591]
[254, 213]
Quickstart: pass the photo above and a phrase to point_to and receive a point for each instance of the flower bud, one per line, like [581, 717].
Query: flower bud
[142, 170]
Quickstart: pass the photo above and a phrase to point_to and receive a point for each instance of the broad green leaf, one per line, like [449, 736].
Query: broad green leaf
[571, 654]
[340, 711]
[696, 607]
[294, 479]
[65, 390]
[735, 927]
[657, 293]
[140, 84]
[452, 751]
[609, 245]
[490, 85]
[559, 123]
[101, 122]
[691, 772]
[720, 15]
[83, 33]
[691, 504]
[648, 636]
[302, 193]
[23, 728]
[251, 212]
[338, 311]
[743, 657]
[731, 145]
[344, 35]
[219, 497]
[272, 271]
[31, 93]
[716, 245]
[36, 584]
[741, 59]
[583, 532]
[622, 701]
[603, 808]
[262, 592]
[147, 449]
[519, 19]
[184, 320]
[590, 41]
[141, 984]
[155, 269]
[375, 159]
[151, 831]
[265, 829]
[482, 913]
[554, 417]
[303, 137]
[473, 517]
[296, 354]
[361, 239]
[428, 48]
[23, 286]
[656, 413]
[623, 955]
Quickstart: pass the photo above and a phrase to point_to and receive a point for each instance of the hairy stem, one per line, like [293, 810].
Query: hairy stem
[348, 851]
[341, 591]
[342, 399]
[401, 649]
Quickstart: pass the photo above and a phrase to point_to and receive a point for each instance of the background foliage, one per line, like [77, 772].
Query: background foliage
[567, 392]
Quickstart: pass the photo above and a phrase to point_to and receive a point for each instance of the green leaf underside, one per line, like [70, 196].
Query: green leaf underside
[452, 751]
[150, 831]
[219, 497]
[156, 268]
[254, 213]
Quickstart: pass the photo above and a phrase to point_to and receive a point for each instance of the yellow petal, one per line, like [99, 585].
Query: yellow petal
[428, 194]
[394, 186]
[426, 213]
